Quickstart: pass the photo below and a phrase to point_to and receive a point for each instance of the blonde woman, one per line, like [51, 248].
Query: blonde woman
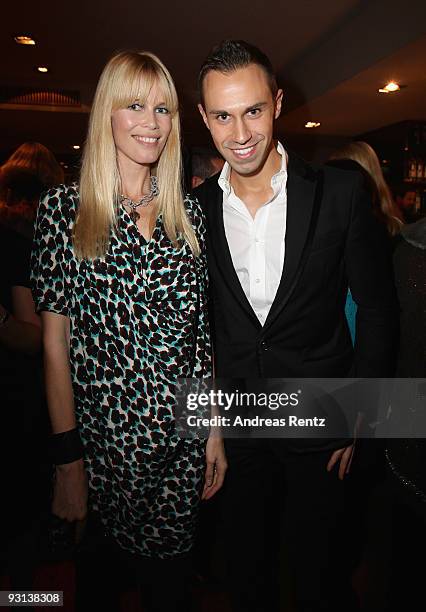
[383, 204]
[359, 156]
[119, 274]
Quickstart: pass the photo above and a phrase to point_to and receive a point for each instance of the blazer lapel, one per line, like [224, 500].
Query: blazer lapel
[301, 197]
[219, 249]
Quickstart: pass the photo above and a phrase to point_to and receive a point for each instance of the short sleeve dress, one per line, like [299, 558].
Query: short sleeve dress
[138, 322]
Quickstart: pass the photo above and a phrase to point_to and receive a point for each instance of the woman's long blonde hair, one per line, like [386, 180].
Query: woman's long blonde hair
[128, 76]
[366, 157]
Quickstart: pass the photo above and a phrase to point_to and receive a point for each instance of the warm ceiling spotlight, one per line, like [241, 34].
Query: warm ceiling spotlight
[312, 124]
[390, 87]
[76, 147]
[42, 69]
[24, 40]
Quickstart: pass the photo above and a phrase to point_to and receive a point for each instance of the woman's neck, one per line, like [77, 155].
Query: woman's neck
[134, 181]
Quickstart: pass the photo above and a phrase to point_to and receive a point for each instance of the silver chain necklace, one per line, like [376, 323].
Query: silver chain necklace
[144, 201]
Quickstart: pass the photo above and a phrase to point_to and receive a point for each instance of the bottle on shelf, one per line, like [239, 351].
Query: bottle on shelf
[412, 171]
[423, 203]
[418, 135]
[418, 204]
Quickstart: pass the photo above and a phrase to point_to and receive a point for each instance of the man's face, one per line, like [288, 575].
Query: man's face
[409, 199]
[239, 110]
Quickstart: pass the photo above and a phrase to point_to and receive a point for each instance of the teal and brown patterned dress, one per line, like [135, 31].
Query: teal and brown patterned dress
[138, 321]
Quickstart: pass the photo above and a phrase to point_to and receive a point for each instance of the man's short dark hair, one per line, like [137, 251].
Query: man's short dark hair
[202, 162]
[231, 55]
[401, 189]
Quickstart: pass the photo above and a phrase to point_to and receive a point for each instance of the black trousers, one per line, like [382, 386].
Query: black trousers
[264, 492]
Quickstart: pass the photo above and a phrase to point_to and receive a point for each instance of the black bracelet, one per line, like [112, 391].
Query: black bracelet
[66, 447]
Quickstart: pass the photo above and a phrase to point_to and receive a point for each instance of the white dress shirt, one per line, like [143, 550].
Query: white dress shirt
[257, 245]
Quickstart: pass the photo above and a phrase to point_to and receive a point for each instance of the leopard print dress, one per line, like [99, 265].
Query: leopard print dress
[138, 322]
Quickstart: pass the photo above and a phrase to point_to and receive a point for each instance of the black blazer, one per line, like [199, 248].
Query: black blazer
[332, 241]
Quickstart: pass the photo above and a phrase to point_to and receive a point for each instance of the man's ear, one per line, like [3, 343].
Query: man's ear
[204, 116]
[278, 103]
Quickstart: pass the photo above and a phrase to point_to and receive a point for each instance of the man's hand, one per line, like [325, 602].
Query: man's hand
[344, 456]
[216, 466]
[70, 491]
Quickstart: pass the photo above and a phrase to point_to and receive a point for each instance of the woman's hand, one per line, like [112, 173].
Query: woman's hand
[22, 330]
[70, 491]
[343, 457]
[216, 466]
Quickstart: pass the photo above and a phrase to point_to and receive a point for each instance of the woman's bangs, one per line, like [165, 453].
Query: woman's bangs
[136, 84]
[168, 91]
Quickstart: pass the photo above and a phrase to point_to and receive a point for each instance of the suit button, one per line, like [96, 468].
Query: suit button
[264, 345]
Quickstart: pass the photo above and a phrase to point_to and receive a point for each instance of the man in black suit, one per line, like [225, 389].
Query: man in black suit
[285, 241]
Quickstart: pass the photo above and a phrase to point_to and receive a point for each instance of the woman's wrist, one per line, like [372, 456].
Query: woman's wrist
[67, 468]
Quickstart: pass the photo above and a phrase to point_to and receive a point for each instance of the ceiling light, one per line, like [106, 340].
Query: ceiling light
[390, 87]
[42, 69]
[76, 147]
[24, 40]
[312, 124]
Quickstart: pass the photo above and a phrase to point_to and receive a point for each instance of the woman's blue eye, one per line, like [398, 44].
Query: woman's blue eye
[135, 106]
[162, 110]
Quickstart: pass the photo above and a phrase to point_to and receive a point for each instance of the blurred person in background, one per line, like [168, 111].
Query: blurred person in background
[120, 277]
[361, 157]
[406, 458]
[405, 197]
[24, 478]
[29, 171]
[24, 474]
[384, 207]
[410, 279]
[369, 474]
[205, 163]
